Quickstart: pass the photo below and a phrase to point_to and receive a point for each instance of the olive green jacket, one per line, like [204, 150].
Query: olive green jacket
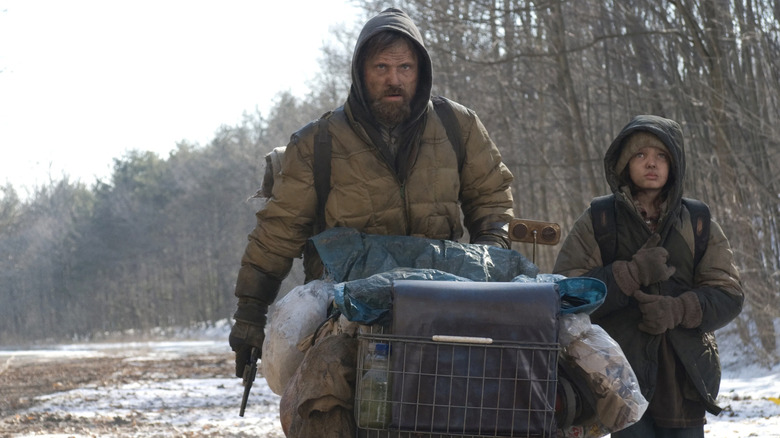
[367, 194]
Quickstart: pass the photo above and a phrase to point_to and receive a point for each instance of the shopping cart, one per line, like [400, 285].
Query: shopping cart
[464, 359]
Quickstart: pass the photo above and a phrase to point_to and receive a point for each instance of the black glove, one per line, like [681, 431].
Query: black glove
[490, 240]
[646, 267]
[492, 234]
[256, 291]
[244, 336]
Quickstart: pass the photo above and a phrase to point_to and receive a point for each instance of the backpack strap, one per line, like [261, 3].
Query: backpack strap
[700, 220]
[322, 155]
[602, 212]
[444, 110]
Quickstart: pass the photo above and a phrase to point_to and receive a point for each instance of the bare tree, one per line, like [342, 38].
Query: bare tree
[556, 80]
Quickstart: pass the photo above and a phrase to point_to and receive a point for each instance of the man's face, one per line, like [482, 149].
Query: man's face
[391, 81]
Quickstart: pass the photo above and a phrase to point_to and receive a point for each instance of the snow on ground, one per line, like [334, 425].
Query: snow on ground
[751, 401]
[153, 406]
[150, 406]
[184, 407]
[749, 393]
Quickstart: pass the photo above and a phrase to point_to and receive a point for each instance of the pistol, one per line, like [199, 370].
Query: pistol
[250, 371]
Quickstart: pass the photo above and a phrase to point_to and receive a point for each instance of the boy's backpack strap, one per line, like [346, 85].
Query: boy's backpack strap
[322, 155]
[602, 212]
[700, 220]
[444, 110]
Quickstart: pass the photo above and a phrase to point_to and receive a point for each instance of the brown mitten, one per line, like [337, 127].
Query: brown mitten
[661, 313]
[646, 267]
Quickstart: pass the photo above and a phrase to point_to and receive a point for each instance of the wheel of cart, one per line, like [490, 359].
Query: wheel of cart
[465, 359]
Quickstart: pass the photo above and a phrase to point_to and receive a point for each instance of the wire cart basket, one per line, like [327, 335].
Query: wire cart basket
[456, 385]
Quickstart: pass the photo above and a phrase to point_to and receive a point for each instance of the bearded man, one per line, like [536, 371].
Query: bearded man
[394, 171]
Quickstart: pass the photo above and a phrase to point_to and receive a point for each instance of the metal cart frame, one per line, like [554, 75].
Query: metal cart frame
[463, 386]
[455, 386]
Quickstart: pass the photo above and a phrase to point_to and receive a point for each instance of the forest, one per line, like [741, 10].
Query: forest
[158, 243]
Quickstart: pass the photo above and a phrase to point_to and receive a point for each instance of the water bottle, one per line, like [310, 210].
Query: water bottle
[374, 405]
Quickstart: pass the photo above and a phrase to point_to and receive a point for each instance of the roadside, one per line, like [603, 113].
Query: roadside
[131, 390]
[187, 388]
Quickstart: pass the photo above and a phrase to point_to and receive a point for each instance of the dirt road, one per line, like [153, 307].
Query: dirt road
[130, 390]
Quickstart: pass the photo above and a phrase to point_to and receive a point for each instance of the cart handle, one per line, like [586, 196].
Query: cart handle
[464, 339]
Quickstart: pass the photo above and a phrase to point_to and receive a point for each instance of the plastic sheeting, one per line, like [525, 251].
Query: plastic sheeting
[364, 267]
[350, 255]
[578, 294]
[600, 363]
[295, 316]
[368, 301]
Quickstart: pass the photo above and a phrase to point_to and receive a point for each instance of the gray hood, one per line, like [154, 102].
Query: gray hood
[670, 133]
[410, 131]
[394, 20]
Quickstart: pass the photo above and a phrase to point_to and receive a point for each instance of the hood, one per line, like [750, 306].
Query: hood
[410, 131]
[670, 133]
[394, 20]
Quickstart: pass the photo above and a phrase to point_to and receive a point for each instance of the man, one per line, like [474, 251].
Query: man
[662, 305]
[394, 172]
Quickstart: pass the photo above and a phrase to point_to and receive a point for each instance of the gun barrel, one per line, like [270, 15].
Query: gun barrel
[250, 371]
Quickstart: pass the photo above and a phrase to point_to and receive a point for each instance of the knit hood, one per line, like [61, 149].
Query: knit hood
[670, 134]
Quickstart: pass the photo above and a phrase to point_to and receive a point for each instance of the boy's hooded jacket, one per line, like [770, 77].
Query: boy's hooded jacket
[419, 193]
[715, 280]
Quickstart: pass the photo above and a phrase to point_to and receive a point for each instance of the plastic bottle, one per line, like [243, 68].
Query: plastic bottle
[374, 406]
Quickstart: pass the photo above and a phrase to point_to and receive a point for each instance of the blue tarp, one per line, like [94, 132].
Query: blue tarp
[364, 267]
[578, 294]
[350, 255]
[368, 300]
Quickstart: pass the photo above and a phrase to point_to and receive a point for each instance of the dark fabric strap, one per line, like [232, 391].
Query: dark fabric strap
[445, 112]
[602, 211]
[700, 220]
[322, 154]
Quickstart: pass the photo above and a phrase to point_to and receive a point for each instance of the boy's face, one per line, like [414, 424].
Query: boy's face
[649, 169]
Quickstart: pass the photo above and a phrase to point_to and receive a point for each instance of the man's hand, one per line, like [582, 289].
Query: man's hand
[244, 336]
[250, 371]
[491, 234]
[491, 240]
[661, 313]
[646, 267]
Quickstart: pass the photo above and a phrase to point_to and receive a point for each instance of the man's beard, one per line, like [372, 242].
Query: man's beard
[391, 113]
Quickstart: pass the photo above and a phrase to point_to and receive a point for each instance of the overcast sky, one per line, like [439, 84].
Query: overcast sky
[84, 81]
